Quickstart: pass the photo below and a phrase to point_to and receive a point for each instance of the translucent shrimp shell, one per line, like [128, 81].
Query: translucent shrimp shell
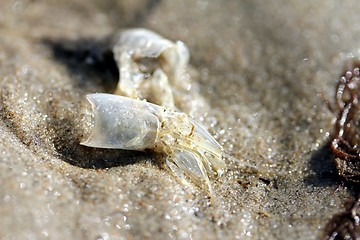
[125, 123]
[122, 123]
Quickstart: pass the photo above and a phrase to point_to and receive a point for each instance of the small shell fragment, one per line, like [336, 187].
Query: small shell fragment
[150, 66]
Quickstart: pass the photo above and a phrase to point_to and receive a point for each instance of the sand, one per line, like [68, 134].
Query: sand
[263, 70]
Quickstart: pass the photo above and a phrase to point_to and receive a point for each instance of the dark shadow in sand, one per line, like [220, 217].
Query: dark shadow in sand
[323, 165]
[326, 174]
[87, 60]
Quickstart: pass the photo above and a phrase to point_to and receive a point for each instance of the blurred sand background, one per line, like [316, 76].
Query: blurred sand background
[260, 67]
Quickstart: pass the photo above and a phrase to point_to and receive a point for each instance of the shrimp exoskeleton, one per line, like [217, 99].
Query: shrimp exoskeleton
[149, 65]
[130, 124]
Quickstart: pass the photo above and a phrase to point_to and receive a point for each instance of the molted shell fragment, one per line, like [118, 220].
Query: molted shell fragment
[130, 124]
[150, 66]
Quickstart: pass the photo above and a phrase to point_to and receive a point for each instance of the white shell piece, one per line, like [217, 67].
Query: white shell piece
[130, 124]
[149, 65]
[121, 123]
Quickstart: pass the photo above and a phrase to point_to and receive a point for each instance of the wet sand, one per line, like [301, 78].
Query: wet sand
[261, 69]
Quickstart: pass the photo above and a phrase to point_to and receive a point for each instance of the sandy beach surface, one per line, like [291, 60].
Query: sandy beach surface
[262, 70]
